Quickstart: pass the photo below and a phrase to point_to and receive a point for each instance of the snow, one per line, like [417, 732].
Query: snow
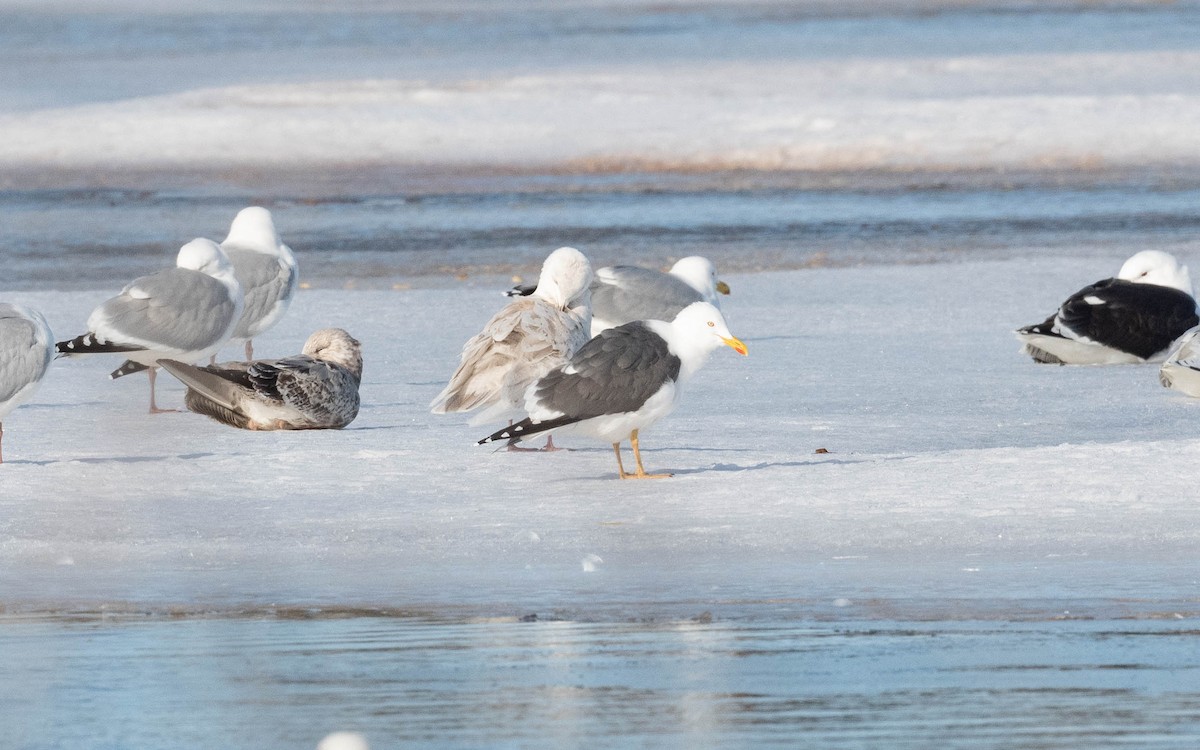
[600, 87]
[949, 453]
[703, 116]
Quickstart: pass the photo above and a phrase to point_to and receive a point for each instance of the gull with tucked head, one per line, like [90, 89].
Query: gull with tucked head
[526, 339]
[1132, 318]
[314, 390]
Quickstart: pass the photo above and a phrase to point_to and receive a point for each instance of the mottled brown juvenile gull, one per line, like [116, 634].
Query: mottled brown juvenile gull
[621, 294]
[624, 380]
[185, 313]
[1133, 318]
[529, 337]
[266, 269]
[26, 348]
[314, 390]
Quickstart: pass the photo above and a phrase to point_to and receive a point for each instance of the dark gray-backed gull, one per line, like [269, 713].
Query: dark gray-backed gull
[528, 338]
[266, 269]
[314, 390]
[26, 348]
[621, 294]
[1133, 318]
[624, 380]
[185, 313]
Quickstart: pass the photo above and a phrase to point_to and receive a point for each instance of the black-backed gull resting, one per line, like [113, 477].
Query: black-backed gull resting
[528, 338]
[1132, 318]
[621, 294]
[624, 380]
[266, 269]
[26, 348]
[1181, 370]
[314, 390]
[185, 313]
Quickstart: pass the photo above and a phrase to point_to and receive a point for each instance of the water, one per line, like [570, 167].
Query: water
[284, 682]
[1062, 652]
[437, 233]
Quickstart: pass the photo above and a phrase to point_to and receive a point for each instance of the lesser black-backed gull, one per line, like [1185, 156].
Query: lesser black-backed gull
[624, 380]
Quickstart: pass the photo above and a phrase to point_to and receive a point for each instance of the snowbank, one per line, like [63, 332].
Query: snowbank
[973, 112]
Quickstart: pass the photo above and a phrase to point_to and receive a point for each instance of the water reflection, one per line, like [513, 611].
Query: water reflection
[219, 682]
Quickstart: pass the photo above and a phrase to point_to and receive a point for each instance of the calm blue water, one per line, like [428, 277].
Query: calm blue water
[409, 682]
[507, 226]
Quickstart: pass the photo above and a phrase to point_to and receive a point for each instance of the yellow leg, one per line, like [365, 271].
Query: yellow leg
[620, 467]
[637, 455]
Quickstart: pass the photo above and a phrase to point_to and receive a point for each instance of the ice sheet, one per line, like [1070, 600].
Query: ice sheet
[949, 453]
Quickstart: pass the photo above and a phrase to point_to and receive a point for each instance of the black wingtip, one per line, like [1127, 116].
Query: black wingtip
[513, 432]
[89, 344]
[128, 367]
[521, 290]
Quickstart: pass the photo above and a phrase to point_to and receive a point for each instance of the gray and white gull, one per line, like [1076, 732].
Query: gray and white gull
[621, 294]
[185, 313]
[526, 339]
[266, 269]
[26, 349]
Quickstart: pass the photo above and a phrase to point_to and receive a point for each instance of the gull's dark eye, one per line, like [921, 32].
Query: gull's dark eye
[711, 324]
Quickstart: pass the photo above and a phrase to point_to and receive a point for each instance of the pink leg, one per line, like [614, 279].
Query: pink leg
[153, 406]
[249, 350]
[1, 442]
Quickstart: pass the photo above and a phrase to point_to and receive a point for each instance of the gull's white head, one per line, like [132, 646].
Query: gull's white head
[205, 256]
[700, 274]
[336, 346]
[565, 278]
[703, 328]
[1156, 267]
[253, 229]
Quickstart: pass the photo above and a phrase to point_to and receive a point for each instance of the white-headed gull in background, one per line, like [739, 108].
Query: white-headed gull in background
[266, 269]
[26, 348]
[526, 339]
[314, 390]
[622, 294]
[185, 313]
[1135, 317]
[624, 380]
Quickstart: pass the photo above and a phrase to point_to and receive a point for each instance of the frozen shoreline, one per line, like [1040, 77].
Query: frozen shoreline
[950, 455]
